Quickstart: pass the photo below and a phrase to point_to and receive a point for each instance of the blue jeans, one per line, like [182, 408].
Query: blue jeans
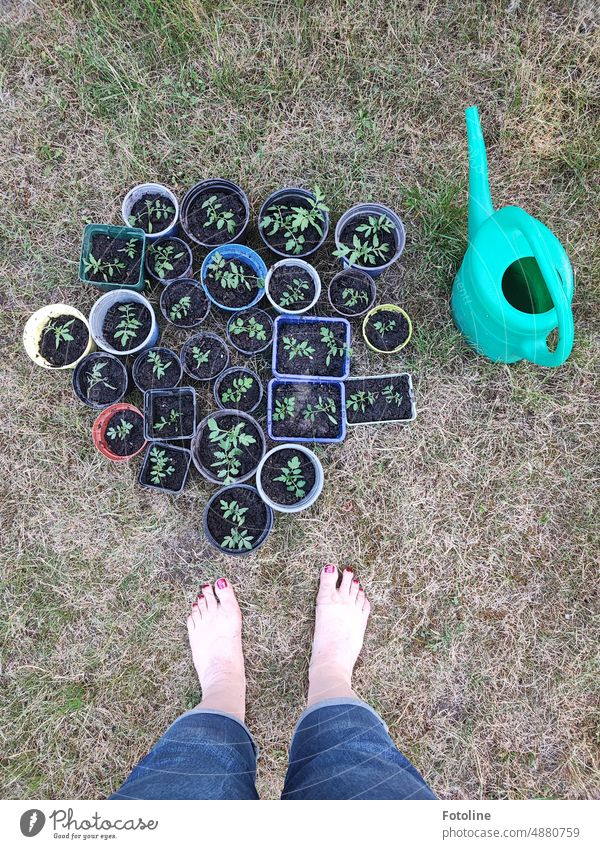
[340, 750]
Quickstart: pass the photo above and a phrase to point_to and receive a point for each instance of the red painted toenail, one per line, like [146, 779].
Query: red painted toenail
[355, 581]
[221, 583]
[204, 586]
[348, 569]
[329, 569]
[200, 597]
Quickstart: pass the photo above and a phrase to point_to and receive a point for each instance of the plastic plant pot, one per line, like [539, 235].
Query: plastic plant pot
[137, 193]
[172, 373]
[304, 266]
[242, 331]
[98, 316]
[209, 187]
[241, 371]
[205, 341]
[388, 308]
[363, 210]
[34, 328]
[235, 252]
[290, 196]
[169, 298]
[347, 278]
[303, 386]
[315, 491]
[360, 409]
[99, 432]
[174, 454]
[214, 504]
[219, 415]
[179, 246]
[168, 400]
[111, 232]
[116, 377]
[283, 321]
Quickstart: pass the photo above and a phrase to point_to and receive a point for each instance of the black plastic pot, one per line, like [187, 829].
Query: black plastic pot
[238, 339]
[253, 455]
[174, 454]
[250, 497]
[180, 245]
[203, 341]
[361, 282]
[290, 197]
[118, 379]
[172, 373]
[182, 401]
[176, 286]
[235, 372]
[208, 188]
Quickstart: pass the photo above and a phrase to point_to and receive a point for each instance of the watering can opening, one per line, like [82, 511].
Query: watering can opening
[524, 286]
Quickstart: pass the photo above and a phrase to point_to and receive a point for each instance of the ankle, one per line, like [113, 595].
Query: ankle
[328, 681]
[225, 698]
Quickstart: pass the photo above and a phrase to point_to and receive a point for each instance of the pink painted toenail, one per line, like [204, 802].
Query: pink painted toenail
[329, 569]
[200, 597]
[221, 583]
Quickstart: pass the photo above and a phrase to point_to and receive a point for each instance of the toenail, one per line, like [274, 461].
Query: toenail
[204, 586]
[355, 581]
[349, 570]
[200, 597]
[329, 569]
[221, 583]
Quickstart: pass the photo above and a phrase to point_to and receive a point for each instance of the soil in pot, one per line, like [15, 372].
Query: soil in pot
[378, 399]
[306, 410]
[126, 325]
[204, 356]
[172, 415]
[168, 259]
[124, 434]
[371, 240]
[291, 287]
[351, 292]
[239, 390]
[158, 369]
[288, 476]
[165, 466]
[229, 447]
[113, 259]
[101, 380]
[251, 330]
[311, 347]
[282, 228]
[63, 340]
[238, 520]
[386, 330]
[152, 213]
[185, 303]
[215, 216]
[232, 282]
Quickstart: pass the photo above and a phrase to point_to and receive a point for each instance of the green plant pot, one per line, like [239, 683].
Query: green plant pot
[113, 232]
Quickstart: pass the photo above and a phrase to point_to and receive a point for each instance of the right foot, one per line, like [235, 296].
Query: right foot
[340, 624]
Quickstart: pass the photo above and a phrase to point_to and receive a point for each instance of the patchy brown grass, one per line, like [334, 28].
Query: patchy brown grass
[474, 531]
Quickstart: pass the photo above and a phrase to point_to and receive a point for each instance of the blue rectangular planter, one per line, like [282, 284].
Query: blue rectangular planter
[273, 384]
[300, 319]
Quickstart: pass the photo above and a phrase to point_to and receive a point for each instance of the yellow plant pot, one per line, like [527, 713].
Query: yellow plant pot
[34, 327]
[388, 308]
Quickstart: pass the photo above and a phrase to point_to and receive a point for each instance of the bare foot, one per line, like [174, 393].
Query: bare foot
[340, 624]
[215, 632]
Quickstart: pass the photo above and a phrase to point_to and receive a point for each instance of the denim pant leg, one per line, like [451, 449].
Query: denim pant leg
[341, 750]
[203, 755]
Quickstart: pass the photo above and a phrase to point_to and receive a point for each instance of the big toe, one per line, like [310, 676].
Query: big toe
[328, 581]
[225, 594]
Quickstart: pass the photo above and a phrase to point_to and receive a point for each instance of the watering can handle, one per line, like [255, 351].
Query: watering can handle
[566, 330]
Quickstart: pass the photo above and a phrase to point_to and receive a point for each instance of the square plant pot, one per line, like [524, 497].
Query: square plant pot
[170, 414]
[109, 245]
[306, 411]
[300, 351]
[165, 467]
[380, 398]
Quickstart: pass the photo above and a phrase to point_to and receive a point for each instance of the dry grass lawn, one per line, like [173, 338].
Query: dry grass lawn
[474, 530]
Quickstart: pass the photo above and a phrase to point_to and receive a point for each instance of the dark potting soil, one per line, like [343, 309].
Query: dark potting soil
[205, 344]
[312, 237]
[138, 217]
[68, 350]
[240, 297]
[351, 293]
[111, 250]
[112, 383]
[350, 231]
[185, 314]
[392, 336]
[146, 377]
[176, 459]
[230, 388]
[172, 415]
[291, 287]
[254, 521]
[305, 422]
[178, 257]
[378, 399]
[211, 234]
[251, 330]
[249, 455]
[274, 467]
[132, 441]
[116, 314]
[316, 361]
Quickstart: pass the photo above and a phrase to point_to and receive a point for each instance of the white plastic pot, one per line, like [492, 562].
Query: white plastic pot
[34, 327]
[138, 192]
[305, 266]
[98, 316]
[312, 496]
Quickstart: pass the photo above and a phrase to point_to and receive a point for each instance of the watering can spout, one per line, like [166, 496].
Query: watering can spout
[480, 200]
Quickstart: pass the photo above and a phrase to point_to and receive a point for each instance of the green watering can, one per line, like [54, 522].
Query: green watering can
[515, 284]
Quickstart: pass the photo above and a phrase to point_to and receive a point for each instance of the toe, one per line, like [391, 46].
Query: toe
[201, 602]
[354, 588]
[366, 609]
[224, 591]
[346, 584]
[360, 598]
[196, 615]
[190, 623]
[329, 576]
[211, 601]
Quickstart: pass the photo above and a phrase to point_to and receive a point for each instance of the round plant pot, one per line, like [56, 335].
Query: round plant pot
[194, 230]
[247, 341]
[240, 253]
[260, 533]
[172, 374]
[241, 371]
[99, 431]
[304, 266]
[219, 415]
[315, 490]
[361, 210]
[34, 328]
[290, 197]
[179, 246]
[388, 308]
[203, 341]
[355, 279]
[170, 296]
[98, 316]
[115, 376]
[137, 193]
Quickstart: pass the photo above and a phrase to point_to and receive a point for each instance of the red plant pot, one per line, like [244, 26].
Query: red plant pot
[99, 431]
